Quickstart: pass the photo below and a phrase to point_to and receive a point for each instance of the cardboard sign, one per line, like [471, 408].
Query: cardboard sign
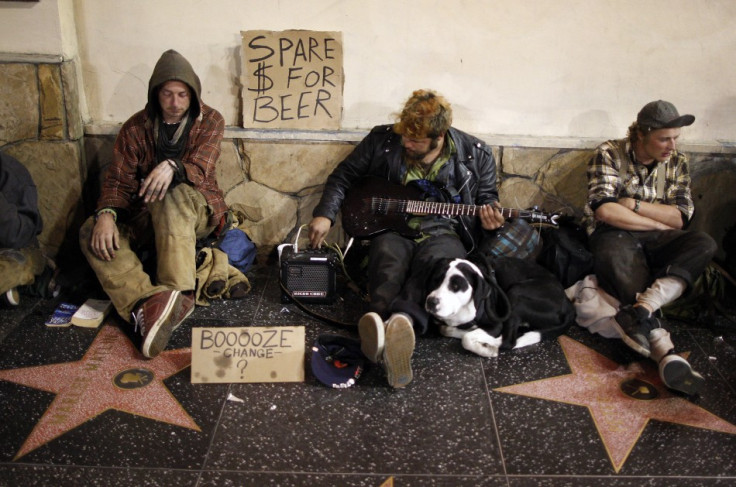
[248, 354]
[293, 79]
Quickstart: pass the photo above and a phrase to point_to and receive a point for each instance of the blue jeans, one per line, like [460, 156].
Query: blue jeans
[627, 262]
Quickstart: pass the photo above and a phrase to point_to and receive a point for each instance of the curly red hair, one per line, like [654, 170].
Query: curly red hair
[425, 114]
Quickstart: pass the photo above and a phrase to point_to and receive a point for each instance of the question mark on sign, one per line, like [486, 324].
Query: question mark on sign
[242, 367]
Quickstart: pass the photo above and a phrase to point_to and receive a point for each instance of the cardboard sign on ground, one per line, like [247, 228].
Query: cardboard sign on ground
[248, 354]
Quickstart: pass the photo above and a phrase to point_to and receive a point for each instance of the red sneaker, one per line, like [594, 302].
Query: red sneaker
[153, 320]
[184, 308]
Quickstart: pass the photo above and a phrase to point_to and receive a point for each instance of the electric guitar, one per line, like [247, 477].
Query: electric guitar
[374, 205]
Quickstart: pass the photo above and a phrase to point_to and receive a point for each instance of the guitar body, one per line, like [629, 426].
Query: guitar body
[361, 220]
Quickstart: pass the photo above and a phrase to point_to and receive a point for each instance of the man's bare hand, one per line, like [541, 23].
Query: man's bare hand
[629, 203]
[491, 217]
[105, 239]
[157, 182]
[318, 228]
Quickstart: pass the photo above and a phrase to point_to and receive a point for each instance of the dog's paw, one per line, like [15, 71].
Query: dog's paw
[481, 343]
[528, 338]
[453, 331]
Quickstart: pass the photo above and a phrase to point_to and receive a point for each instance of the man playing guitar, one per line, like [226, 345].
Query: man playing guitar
[451, 166]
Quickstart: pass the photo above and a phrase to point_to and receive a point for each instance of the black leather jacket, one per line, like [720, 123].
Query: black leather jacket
[471, 172]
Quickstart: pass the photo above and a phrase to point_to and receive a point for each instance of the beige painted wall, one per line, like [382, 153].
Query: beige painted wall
[540, 68]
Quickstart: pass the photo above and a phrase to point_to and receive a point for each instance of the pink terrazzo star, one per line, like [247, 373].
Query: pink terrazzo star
[112, 375]
[621, 399]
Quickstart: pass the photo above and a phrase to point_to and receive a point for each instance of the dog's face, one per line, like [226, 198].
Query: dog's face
[452, 291]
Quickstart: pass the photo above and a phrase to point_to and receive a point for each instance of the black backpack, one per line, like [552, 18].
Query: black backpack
[565, 253]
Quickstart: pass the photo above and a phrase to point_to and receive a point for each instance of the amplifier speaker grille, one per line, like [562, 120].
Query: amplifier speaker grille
[308, 277]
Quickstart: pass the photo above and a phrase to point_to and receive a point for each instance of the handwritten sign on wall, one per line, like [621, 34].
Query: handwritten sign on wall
[293, 79]
[248, 354]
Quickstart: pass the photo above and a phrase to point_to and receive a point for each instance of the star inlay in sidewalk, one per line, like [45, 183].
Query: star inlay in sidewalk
[621, 399]
[112, 375]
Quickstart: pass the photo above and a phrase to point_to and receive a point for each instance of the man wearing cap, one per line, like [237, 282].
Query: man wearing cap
[639, 204]
[159, 190]
[420, 148]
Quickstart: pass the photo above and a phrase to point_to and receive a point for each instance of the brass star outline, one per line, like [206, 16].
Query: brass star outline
[86, 388]
[595, 382]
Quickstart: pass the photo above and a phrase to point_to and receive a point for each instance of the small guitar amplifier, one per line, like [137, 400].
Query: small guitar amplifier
[309, 275]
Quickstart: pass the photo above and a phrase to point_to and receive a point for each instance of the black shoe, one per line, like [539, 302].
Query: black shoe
[634, 325]
[677, 374]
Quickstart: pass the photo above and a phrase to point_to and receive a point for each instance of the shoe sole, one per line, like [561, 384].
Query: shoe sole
[630, 342]
[12, 297]
[160, 332]
[680, 376]
[372, 336]
[397, 352]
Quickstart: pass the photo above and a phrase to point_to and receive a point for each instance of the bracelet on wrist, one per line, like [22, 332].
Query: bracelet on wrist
[637, 205]
[107, 210]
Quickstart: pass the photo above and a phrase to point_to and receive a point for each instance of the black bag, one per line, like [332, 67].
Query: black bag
[729, 248]
[565, 253]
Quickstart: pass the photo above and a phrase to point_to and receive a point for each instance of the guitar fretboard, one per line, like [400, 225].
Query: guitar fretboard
[385, 206]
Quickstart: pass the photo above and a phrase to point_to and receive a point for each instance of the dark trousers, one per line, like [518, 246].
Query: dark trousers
[627, 263]
[398, 269]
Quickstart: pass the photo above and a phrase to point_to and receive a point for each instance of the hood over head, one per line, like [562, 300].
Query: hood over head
[173, 66]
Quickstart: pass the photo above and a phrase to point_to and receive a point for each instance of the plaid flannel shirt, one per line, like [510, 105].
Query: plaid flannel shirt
[606, 184]
[134, 157]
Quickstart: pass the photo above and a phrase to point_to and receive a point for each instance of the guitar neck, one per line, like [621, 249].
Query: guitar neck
[374, 205]
[450, 209]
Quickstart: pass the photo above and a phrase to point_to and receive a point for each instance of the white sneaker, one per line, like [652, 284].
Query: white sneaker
[372, 335]
[11, 297]
[398, 350]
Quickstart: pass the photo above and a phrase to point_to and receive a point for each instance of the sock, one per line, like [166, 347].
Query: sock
[662, 291]
[660, 344]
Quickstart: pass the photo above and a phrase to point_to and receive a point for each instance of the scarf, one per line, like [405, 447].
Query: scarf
[171, 148]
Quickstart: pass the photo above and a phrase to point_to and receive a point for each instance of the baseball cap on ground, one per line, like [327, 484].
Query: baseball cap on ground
[662, 114]
[337, 361]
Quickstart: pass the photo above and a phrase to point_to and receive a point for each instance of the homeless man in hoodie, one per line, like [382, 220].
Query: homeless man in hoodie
[159, 188]
[421, 147]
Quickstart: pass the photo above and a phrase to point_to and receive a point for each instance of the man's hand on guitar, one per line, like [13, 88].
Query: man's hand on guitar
[490, 217]
[318, 228]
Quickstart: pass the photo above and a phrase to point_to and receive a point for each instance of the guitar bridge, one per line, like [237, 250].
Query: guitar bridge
[379, 206]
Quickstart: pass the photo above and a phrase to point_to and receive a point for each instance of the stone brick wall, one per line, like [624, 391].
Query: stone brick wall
[276, 182]
[280, 182]
[41, 126]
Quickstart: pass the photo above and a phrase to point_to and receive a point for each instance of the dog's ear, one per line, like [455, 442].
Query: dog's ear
[481, 290]
[493, 300]
[437, 274]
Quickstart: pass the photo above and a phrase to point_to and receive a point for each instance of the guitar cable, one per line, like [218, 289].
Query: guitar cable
[313, 314]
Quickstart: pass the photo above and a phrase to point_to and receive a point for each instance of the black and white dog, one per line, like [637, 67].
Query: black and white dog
[497, 303]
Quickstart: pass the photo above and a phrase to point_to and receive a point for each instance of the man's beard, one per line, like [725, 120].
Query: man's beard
[416, 157]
